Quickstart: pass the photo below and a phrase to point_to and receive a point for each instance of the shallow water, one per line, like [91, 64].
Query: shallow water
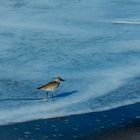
[83, 41]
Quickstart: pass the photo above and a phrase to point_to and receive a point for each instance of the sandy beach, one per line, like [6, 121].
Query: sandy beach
[122, 123]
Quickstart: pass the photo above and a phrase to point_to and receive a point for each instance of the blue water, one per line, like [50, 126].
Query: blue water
[93, 45]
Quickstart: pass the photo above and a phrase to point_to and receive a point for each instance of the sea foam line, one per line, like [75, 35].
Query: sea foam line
[126, 22]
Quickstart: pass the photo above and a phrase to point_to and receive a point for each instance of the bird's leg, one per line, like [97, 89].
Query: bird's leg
[47, 94]
[52, 94]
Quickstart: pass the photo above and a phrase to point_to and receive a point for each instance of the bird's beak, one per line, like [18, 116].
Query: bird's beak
[62, 79]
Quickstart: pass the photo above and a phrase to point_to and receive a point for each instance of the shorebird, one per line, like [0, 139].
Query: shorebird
[51, 86]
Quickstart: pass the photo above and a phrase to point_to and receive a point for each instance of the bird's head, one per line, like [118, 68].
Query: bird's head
[59, 79]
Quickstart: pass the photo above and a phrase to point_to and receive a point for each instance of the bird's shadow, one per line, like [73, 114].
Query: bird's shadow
[36, 99]
[65, 94]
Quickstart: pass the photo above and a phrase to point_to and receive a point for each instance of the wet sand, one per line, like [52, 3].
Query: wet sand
[129, 132]
[121, 123]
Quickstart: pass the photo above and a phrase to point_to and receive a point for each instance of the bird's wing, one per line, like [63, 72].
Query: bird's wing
[49, 85]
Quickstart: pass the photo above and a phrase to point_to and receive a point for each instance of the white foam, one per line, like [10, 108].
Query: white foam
[126, 22]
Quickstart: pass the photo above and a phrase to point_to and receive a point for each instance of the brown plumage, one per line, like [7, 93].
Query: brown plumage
[51, 86]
